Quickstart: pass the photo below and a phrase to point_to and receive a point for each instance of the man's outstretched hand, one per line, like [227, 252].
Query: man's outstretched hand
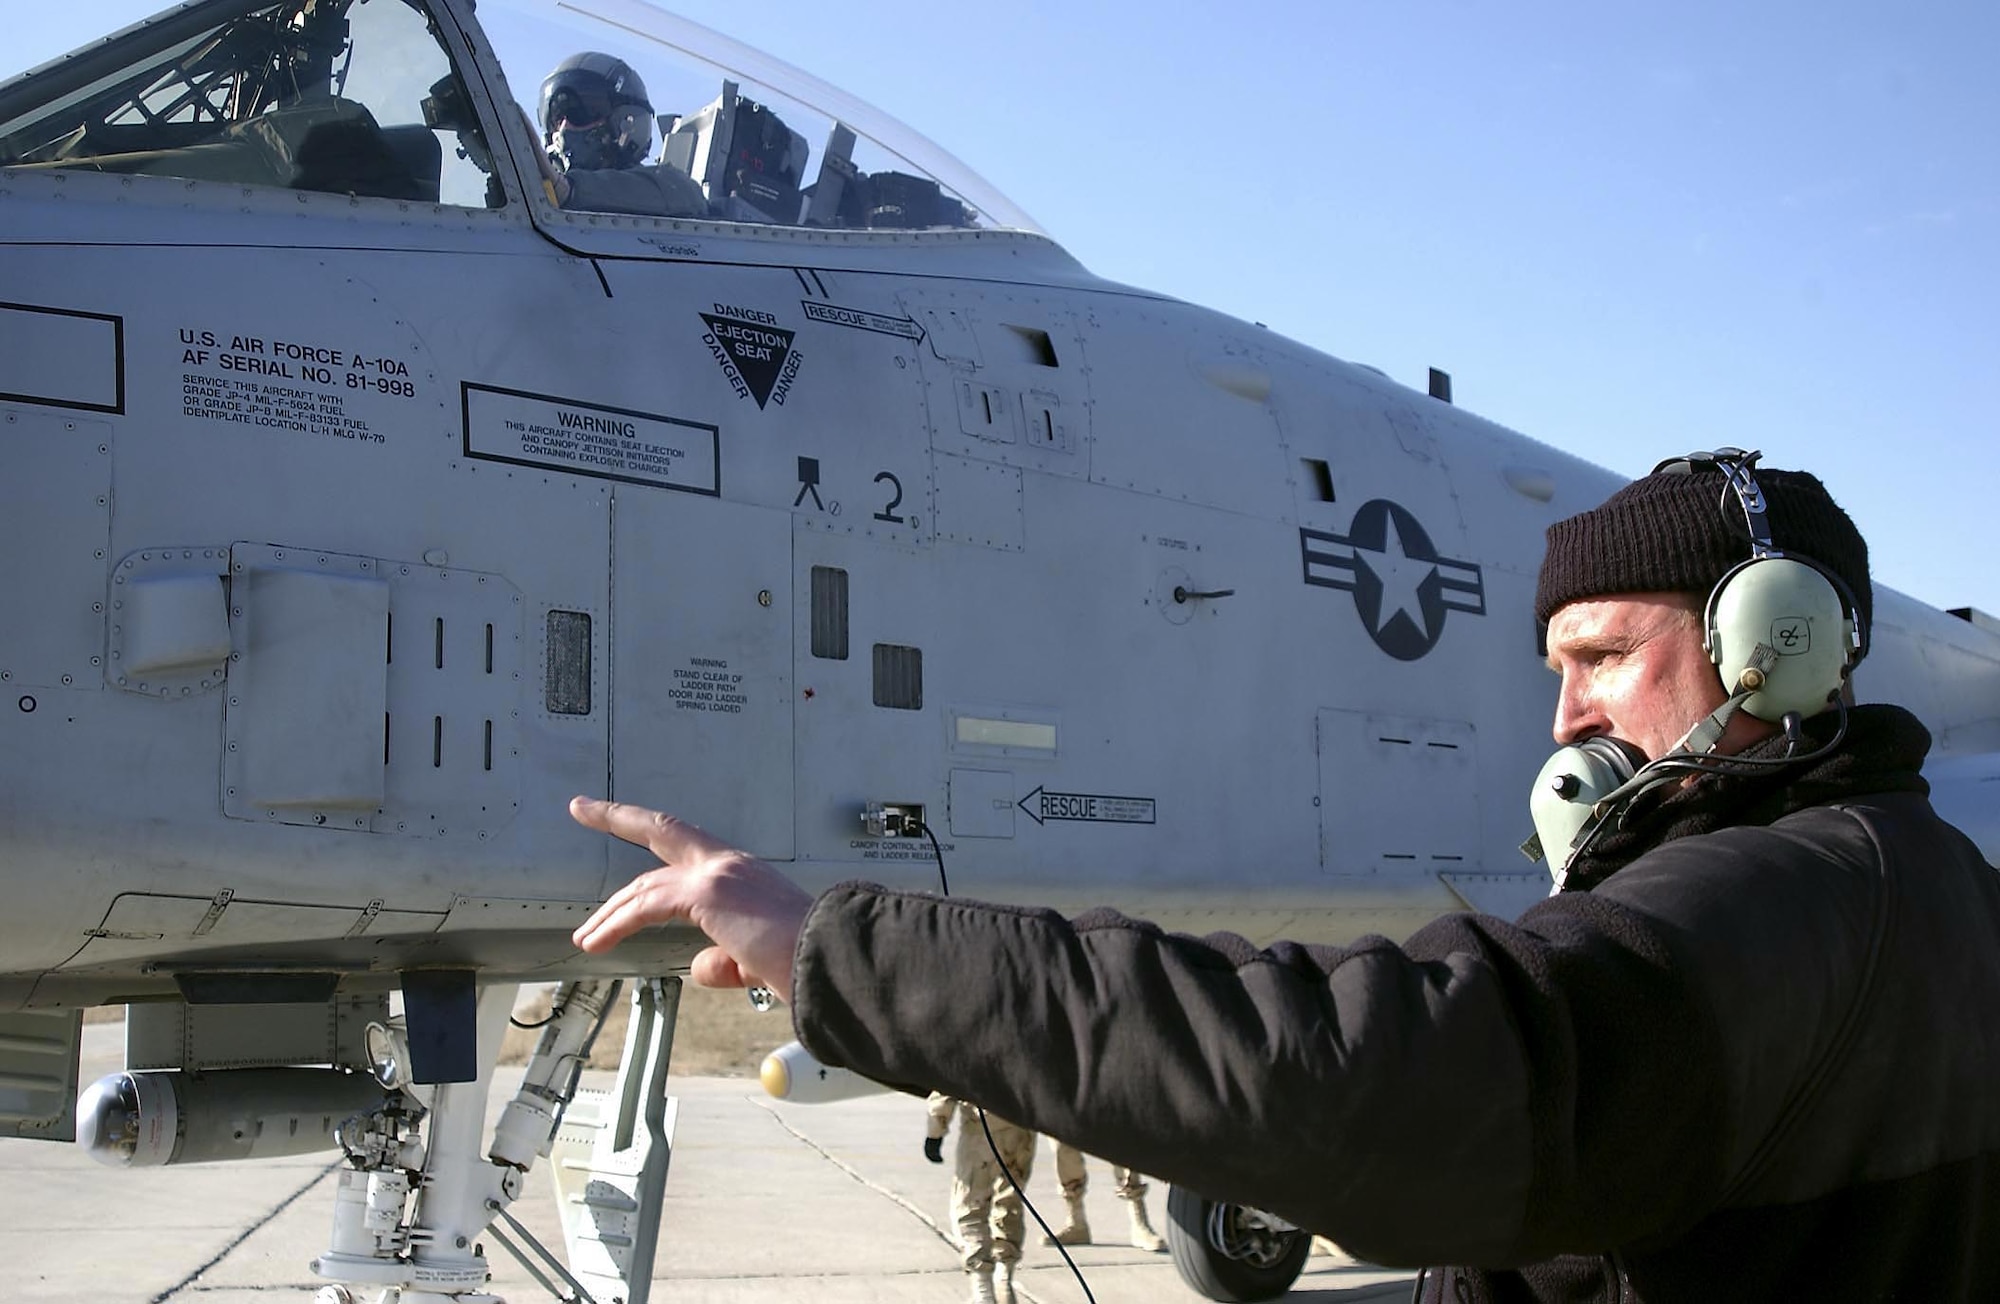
[749, 910]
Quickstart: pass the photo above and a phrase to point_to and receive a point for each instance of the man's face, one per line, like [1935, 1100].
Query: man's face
[1633, 668]
[579, 127]
[584, 146]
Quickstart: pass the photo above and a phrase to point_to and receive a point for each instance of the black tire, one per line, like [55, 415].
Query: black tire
[1231, 1253]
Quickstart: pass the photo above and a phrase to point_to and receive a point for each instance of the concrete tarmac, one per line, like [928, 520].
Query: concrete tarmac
[765, 1202]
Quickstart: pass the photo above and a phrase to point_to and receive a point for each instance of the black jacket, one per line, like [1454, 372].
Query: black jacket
[1759, 1059]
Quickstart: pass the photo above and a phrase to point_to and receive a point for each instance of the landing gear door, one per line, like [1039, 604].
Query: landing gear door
[38, 1056]
[702, 664]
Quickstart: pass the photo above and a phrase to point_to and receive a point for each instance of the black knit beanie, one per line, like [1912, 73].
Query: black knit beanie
[1679, 532]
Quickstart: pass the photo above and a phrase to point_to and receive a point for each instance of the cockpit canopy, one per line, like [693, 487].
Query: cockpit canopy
[766, 142]
[365, 97]
[341, 96]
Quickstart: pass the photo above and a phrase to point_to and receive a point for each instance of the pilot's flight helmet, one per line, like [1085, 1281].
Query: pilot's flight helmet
[604, 102]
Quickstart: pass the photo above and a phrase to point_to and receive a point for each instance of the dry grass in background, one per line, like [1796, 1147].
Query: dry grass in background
[718, 1033]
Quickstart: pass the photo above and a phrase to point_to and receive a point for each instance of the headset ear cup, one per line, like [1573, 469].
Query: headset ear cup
[632, 127]
[1792, 608]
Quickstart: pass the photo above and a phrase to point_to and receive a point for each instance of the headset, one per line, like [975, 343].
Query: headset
[1783, 633]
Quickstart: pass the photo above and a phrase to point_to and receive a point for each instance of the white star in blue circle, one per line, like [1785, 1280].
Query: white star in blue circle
[1401, 575]
[1402, 588]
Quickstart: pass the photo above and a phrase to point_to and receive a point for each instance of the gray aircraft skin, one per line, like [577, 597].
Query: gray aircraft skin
[359, 506]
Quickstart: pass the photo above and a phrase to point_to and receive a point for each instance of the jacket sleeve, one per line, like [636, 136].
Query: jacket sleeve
[1486, 1093]
[1377, 1097]
[653, 191]
[938, 1111]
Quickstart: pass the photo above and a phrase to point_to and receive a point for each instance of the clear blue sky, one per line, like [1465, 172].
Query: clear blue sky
[1627, 230]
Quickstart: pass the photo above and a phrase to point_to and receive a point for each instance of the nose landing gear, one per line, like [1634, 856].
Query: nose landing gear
[1232, 1253]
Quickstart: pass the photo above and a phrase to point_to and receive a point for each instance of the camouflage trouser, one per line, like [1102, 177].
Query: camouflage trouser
[984, 1204]
[1070, 1172]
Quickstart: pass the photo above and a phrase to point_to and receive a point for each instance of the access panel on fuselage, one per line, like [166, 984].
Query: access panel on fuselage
[702, 664]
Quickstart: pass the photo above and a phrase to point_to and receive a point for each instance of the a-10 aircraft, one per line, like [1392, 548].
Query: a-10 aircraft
[359, 504]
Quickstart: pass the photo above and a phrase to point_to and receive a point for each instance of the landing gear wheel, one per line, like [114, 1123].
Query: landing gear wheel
[1232, 1253]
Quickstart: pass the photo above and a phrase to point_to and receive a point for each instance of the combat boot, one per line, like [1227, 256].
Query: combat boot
[1003, 1283]
[1143, 1235]
[1075, 1231]
[982, 1286]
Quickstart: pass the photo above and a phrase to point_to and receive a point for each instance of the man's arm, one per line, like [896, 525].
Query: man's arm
[1385, 1097]
[937, 1113]
[1488, 1092]
[553, 181]
[1360, 1092]
[654, 191]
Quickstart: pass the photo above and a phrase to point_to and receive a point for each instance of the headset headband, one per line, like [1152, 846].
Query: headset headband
[1736, 467]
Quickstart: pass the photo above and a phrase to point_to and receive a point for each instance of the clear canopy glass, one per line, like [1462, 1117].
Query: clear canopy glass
[361, 97]
[795, 139]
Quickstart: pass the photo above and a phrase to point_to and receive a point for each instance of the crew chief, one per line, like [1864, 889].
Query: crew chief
[1747, 1052]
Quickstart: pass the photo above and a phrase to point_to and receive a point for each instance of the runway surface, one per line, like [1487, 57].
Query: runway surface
[765, 1202]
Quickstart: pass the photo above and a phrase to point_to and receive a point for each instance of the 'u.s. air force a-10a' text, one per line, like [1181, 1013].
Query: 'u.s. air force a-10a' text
[367, 489]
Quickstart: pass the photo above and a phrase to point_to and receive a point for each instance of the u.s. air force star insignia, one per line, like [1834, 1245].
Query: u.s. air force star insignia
[1401, 587]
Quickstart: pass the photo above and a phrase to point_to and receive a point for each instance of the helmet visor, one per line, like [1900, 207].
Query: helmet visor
[582, 99]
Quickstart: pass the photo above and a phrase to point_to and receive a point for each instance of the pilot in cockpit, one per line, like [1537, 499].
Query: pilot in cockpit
[597, 127]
